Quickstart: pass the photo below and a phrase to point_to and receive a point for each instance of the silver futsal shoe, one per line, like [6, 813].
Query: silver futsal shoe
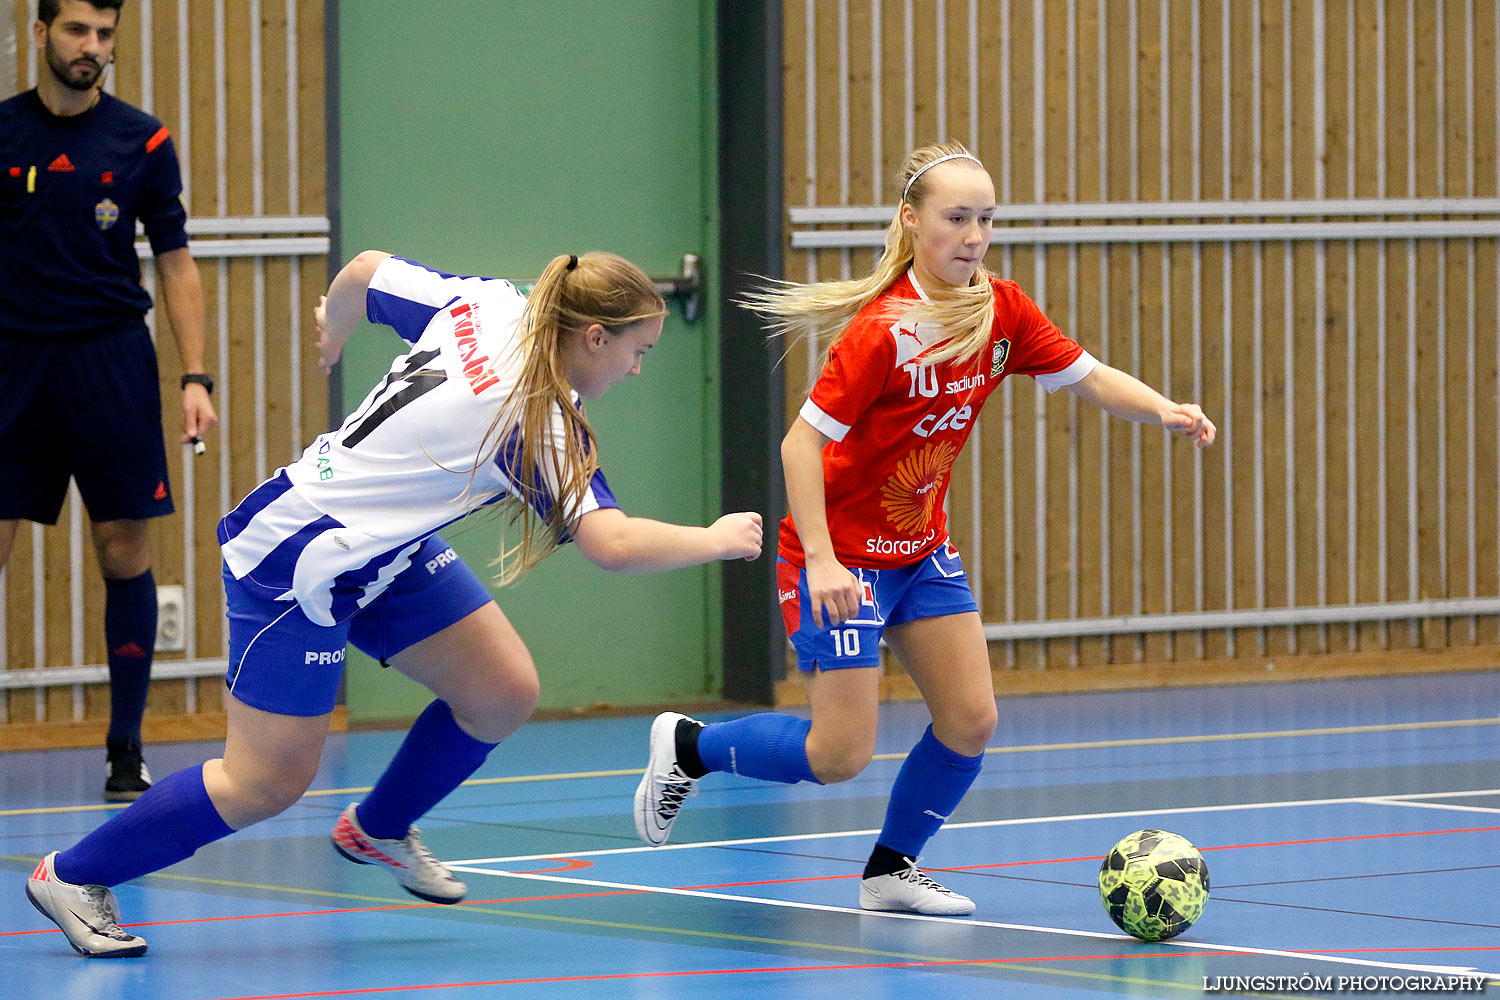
[912, 891]
[88, 914]
[408, 859]
[658, 798]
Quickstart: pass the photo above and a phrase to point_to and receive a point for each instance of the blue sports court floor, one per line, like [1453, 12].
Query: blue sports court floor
[1351, 828]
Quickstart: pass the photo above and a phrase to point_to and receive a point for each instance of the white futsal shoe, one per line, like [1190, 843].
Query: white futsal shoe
[408, 859]
[912, 891]
[88, 914]
[658, 798]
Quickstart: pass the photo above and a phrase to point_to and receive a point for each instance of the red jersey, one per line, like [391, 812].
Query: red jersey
[897, 424]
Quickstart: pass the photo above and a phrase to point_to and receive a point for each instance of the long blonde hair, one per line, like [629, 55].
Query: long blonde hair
[823, 309]
[573, 293]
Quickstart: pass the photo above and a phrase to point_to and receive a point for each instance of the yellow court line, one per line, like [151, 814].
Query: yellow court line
[48, 810]
[284, 889]
[1275, 734]
[510, 780]
[997, 966]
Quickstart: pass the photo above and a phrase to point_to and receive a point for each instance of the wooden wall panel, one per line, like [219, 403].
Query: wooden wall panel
[1485, 279]
[272, 399]
[1090, 265]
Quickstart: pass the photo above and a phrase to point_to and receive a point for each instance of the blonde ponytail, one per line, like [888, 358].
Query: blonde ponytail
[822, 310]
[573, 293]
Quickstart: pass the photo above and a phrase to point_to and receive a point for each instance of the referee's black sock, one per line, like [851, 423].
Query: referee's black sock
[130, 637]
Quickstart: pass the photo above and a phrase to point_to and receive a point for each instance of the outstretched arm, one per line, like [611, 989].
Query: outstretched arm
[618, 543]
[339, 312]
[1127, 396]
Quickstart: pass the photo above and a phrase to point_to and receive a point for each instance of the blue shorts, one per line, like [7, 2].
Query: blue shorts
[83, 409]
[280, 661]
[934, 587]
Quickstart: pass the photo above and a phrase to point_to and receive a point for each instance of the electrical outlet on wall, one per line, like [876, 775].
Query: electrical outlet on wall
[171, 618]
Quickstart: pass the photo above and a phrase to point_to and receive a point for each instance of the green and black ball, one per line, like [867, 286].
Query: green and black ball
[1153, 884]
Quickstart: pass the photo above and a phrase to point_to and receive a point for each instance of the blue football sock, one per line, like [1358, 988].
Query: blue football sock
[434, 759]
[166, 825]
[928, 788]
[130, 638]
[769, 746]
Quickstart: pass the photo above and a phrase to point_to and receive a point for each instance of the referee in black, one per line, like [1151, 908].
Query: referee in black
[79, 395]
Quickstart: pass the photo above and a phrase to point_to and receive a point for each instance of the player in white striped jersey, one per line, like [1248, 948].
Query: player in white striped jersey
[341, 546]
[346, 516]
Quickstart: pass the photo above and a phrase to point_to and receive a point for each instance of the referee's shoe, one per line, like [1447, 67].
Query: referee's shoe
[127, 776]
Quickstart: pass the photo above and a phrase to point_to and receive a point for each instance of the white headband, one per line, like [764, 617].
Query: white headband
[928, 166]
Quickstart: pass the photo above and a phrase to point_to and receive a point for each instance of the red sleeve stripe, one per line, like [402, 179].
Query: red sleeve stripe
[156, 140]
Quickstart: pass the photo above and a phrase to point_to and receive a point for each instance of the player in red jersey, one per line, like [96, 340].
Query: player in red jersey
[925, 339]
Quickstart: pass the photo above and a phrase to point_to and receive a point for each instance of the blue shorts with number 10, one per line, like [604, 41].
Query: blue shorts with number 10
[931, 588]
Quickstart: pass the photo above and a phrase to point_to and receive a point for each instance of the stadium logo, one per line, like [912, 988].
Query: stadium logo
[911, 493]
[966, 383]
[106, 213]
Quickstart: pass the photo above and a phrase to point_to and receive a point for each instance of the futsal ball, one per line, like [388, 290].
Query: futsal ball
[1153, 884]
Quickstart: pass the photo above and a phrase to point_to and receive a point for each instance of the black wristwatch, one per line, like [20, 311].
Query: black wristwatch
[199, 378]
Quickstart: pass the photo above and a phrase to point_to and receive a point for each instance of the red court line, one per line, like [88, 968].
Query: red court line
[742, 885]
[620, 976]
[568, 865]
[1368, 951]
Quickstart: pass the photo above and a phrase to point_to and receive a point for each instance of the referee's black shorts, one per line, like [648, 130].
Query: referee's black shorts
[89, 409]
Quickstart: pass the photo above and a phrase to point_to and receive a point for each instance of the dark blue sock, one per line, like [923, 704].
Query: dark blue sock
[770, 746]
[931, 784]
[130, 637]
[166, 825]
[434, 759]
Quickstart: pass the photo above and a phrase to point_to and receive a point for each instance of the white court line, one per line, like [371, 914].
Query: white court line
[1442, 795]
[1439, 805]
[1063, 931]
[1383, 800]
[1405, 800]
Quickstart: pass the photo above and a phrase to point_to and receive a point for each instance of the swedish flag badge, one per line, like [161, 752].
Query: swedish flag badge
[106, 213]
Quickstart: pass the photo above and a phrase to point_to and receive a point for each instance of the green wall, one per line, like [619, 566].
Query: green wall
[483, 138]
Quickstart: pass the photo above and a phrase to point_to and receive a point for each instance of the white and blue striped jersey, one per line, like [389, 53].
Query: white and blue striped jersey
[335, 527]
